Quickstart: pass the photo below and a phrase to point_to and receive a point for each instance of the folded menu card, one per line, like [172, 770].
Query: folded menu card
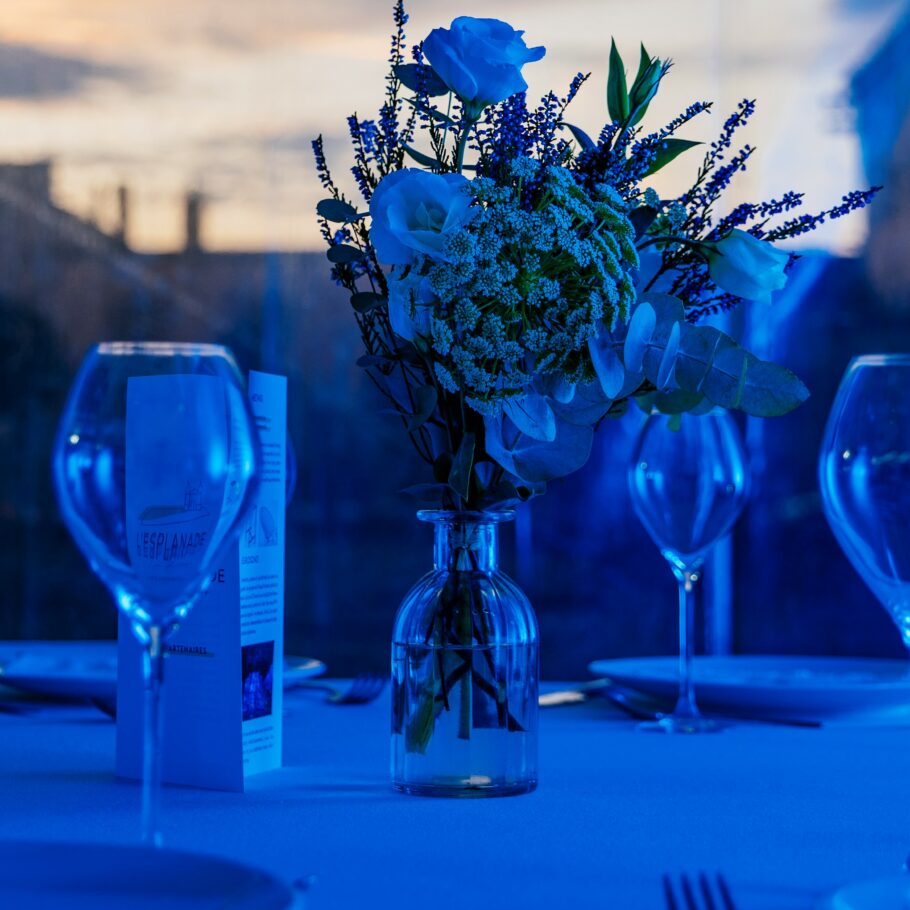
[223, 692]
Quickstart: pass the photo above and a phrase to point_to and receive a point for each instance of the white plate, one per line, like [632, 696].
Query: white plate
[794, 687]
[88, 669]
[892, 893]
[46, 876]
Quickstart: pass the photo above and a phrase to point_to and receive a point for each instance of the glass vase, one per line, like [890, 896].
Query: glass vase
[465, 670]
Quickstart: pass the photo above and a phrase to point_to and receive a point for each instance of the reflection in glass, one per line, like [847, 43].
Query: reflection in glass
[155, 464]
[864, 473]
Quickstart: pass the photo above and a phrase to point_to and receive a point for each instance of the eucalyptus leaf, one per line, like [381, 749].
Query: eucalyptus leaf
[364, 301]
[409, 76]
[668, 360]
[555, 386]
[713, 364]
[763, 389]
[460, 475]
[703, 361]
[639, 334]
[609, 368]
[534, 461]
[587, 407]
[502, 495]
[699, 346]
[667, 151]
[342, 253]
[532, 415]
[336, 210]
[668, 308]
[661, 348]
[425, 398]
[617, 93]
[677, 401]
[421, 158]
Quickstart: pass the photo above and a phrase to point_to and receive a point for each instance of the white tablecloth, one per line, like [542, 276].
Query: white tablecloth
[786, 813]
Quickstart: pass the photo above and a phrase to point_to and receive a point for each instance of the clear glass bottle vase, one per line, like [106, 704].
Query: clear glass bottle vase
[465, 670]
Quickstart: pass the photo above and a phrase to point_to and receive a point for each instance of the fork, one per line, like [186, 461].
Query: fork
[364, 688]
[709, 893]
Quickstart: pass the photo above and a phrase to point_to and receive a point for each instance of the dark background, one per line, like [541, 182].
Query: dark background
[353, 544]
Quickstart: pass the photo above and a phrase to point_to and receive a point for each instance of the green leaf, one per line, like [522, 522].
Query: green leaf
[644, 61]
[642, 218]
[365, 302]
[420, 158]
[424, 404]
[644, 88]
[408, 76]
[668, 150]
[460, 475]
[617, 93]
[442, 467]
[581, 137]
[343, 253]
[641, 99]
[337, 211]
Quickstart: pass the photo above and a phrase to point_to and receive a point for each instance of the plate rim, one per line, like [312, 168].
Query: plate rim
[279, 889]
[42, 683]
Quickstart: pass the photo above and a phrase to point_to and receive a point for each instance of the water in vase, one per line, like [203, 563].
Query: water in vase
[464, 719]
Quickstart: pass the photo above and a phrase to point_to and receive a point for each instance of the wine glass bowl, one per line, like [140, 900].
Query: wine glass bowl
[688, 481]
[864, 475]
[689, 484]
[155, 464]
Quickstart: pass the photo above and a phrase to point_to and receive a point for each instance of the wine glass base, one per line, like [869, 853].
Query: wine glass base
[672, 723]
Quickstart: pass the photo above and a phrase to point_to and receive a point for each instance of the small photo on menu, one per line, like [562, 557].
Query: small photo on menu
[258, 661]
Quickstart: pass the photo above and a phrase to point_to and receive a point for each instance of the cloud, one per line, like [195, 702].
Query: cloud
[26, 72]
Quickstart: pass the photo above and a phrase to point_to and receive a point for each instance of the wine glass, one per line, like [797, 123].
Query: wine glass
[864, 473]
[689, 483]
[155, 464]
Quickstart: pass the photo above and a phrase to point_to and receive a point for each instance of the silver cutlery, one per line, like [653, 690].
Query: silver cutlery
[703, 892]
[364, 688]
[642, 706]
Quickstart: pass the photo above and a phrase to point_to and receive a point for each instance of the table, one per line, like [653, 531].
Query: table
[786, 813]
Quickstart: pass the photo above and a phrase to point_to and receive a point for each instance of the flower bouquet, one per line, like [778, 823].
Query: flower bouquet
[516, 282]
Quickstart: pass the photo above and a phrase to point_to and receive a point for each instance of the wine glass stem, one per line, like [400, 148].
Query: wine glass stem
[685, 704]
[153, 667]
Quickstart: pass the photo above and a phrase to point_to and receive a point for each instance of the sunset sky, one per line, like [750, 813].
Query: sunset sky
[223, 96]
